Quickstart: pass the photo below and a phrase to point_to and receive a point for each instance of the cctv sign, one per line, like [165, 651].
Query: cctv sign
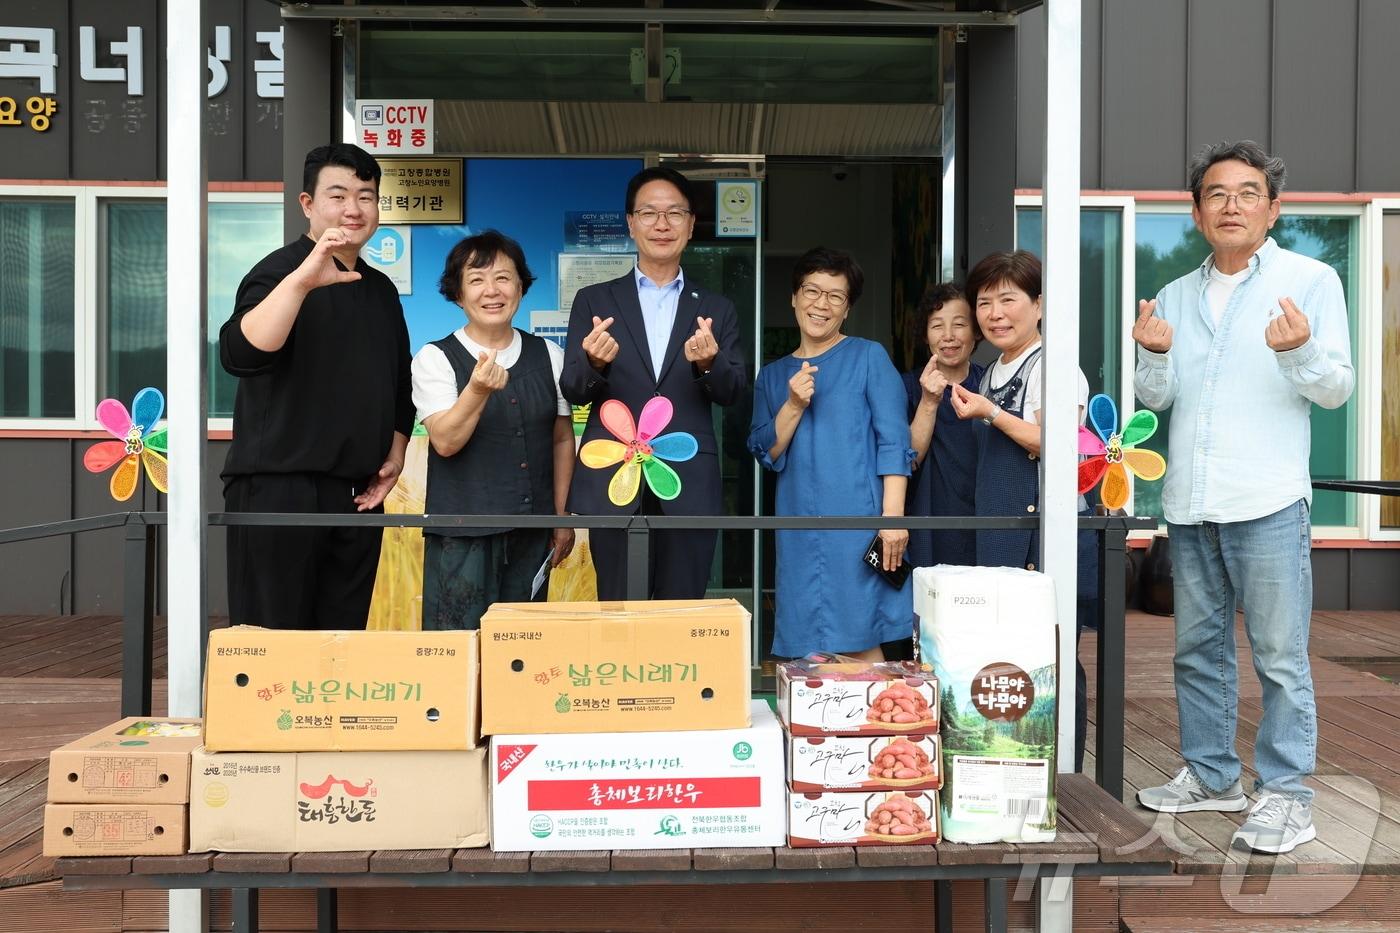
[394, 127]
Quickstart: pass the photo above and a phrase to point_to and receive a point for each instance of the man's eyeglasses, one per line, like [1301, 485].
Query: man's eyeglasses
[837, 300]
[1245, 200]
[648, 217]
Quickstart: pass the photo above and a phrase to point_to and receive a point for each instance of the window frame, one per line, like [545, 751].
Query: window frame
[1371, 363]
[89, 304]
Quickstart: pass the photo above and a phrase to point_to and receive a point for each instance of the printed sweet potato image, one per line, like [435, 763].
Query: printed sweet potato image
[898, 819]
[901, 760]
[898, 706]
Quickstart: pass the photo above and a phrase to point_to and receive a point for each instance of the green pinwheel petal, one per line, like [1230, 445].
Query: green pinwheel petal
[1141, 426]
[664, 482]
[158, 441]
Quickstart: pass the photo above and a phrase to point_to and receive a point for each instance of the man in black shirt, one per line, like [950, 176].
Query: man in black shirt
[324, 406]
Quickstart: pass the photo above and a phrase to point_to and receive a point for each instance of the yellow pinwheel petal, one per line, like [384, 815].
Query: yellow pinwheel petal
[1115, 487]
[157, 469]
[1146, 464]
[124, 478]
[601, 453]
[622, 489]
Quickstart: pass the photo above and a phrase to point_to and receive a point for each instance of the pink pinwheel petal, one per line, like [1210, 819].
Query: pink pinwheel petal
[113, 416]
[656, 414]
[100, 456]
[1090, 472]
[1089, 444]
[618, 419]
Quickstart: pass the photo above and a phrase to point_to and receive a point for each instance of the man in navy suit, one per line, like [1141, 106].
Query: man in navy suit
[654, 333]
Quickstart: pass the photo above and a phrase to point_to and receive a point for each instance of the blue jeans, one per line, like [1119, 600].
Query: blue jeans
[1265, 564]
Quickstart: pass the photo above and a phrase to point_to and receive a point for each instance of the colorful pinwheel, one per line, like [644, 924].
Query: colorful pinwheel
[137, 442]
[1110, 452]
[639, 450]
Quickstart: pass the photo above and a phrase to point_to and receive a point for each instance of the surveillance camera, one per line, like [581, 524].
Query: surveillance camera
[839, 172]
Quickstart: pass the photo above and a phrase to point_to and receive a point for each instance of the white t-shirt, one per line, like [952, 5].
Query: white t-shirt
[435, 382]
[1219, 288]
[1001, 372]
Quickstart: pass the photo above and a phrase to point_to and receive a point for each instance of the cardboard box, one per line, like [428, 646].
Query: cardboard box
[840, 818]
[114, 829]
[857, 698]
[817, 763]
[991, 635]
[338, 801]
[614, 667]
[273, 691]
[655, 790]
[137, 760]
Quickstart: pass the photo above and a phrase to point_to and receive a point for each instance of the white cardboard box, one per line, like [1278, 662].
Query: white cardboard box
[640, 790]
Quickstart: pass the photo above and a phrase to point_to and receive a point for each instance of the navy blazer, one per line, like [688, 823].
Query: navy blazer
[630, 379]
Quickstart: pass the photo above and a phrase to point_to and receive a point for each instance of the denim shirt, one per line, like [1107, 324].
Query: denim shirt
[1239, 438]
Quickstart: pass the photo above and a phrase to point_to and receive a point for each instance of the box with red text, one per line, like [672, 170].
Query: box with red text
[640, 790]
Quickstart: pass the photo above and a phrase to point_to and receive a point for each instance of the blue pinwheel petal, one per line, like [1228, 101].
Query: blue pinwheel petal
[676, 447]
[1103, 415]
[147, 408]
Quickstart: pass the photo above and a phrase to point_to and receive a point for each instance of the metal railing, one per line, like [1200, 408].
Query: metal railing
[139, 590]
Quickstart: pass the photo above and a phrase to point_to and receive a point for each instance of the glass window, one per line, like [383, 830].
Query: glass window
[1100, 288]
[1169, 246]
[133, 274]
[36, 309]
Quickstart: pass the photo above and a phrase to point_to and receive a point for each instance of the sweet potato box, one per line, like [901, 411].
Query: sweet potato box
[857, 698]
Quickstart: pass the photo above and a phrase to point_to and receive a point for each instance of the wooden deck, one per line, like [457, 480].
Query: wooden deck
[57, 682]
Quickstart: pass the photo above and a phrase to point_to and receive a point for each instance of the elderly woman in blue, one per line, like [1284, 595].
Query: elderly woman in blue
[829, 419]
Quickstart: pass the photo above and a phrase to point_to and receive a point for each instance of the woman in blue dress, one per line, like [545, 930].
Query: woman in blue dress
[829, 419]
[945, 475]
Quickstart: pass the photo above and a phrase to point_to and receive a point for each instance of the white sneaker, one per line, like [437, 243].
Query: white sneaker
[1186, 794]
[1278, 823]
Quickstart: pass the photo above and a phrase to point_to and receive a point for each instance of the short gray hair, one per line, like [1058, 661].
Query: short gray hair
[1247, 151]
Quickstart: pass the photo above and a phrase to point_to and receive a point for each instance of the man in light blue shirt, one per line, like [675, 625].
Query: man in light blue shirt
[1241, 348]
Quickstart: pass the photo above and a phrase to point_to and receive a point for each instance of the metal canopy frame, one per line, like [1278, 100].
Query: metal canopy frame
[772, 14]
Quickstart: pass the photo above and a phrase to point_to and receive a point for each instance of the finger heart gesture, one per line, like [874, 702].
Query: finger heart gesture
[488, 376]
[702, 348]
[802, 385]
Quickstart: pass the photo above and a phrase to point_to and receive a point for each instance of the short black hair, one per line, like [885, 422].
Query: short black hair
[935, 298]
[658, 173]
[478, 252]
[832, 262]
[1247, 151]
[346, 155]
[1020, 268]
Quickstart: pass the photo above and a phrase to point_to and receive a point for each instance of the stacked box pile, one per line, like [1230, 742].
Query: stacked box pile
[990, 635]
[123, 790]
[339, 741]
[627, 726]
[863, 752]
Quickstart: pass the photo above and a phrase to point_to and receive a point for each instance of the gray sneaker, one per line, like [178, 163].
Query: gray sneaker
[1278, 823]
[1186, 794]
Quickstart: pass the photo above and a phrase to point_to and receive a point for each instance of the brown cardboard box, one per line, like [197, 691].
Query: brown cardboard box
[114, 829]
[271, 691]
[658, 666]
[864, 762]
[338, 801]
[140, 759]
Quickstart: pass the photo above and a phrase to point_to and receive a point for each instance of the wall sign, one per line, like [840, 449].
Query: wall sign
[394, 127]
[390, 251]
[736, 208]
[421, 191]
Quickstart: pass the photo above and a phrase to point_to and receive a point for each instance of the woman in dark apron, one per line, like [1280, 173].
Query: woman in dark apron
[1005, 290]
